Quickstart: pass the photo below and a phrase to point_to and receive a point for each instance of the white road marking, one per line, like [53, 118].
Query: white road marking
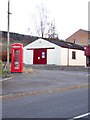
[5, 79]
[80, 116]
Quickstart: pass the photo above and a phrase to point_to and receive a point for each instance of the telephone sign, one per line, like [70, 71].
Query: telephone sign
[17, 58]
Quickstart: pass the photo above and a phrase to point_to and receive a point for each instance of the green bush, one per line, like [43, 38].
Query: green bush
[0, 67]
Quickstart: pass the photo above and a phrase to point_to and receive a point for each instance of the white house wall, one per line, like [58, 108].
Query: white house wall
[53, 55]
[80, 58]
[64, 56]
[28, 56]
[58, 56]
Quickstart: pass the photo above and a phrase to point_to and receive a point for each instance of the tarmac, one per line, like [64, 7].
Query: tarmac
[37, 80]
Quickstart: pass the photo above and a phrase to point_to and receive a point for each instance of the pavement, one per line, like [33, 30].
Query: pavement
[42, 80]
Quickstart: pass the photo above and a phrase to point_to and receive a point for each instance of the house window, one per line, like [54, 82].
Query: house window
[74, 41]
[73, 55]
[89, 41]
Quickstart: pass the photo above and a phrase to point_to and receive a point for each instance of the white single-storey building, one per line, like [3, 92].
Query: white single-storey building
[43, 51]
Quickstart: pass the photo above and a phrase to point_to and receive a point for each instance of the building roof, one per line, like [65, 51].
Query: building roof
[66, 44]
[63, 44]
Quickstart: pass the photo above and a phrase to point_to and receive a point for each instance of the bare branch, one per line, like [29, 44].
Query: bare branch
[44, 27]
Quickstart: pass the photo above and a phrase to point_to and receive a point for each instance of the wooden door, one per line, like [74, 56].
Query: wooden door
[40, 56]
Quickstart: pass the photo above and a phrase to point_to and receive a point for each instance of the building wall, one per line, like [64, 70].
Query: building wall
[80, 58]
[53, 55]
[64, 56]
[27, 56]
[58, 56]
[81, 37]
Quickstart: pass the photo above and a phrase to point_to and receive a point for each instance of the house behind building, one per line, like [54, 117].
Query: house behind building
[81, 37]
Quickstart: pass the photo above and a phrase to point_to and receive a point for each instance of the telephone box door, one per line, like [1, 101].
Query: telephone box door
[17, 58]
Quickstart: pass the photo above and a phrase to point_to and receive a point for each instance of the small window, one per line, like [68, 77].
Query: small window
[73, 55]
[74, 41]
[89, 41]
[43, 54]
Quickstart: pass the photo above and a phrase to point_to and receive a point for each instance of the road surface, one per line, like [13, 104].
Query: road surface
[65, 104]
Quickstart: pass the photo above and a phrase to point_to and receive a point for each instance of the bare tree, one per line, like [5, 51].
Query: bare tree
[52, 30]
[44, 27]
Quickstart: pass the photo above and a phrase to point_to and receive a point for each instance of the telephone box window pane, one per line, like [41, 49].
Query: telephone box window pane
[16, 59]
[73, 55]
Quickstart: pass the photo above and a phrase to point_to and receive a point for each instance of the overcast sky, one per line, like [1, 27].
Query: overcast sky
[69, 15]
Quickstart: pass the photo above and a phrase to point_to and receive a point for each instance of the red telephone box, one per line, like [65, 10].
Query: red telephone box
[17, 58]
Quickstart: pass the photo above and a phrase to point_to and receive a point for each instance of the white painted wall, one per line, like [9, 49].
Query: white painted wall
[64, 56]
[80, 58]
[57, 56]
[27, 56]
[53, 55]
